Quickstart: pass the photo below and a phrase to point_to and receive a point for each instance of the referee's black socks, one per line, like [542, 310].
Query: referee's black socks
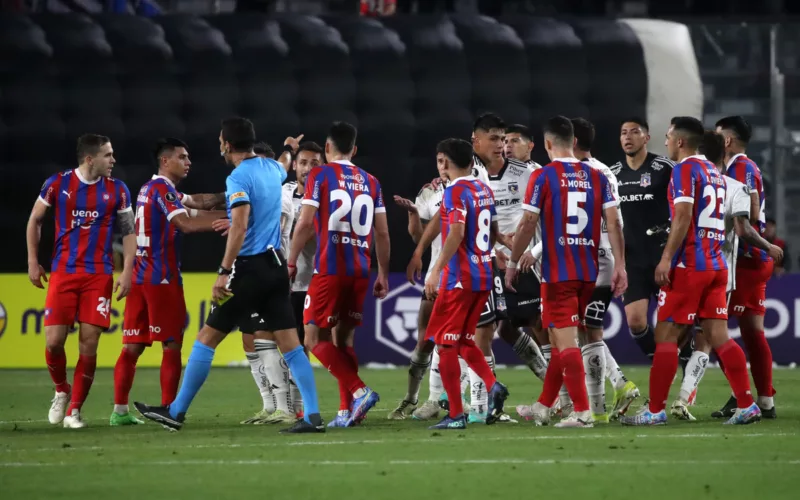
[646, 341]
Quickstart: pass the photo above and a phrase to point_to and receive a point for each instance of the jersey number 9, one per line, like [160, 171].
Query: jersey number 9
[355, 208]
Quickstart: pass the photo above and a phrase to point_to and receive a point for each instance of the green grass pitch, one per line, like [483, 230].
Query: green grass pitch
[216, 457]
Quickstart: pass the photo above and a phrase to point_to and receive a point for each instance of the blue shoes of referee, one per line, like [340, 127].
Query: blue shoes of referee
[362, 405]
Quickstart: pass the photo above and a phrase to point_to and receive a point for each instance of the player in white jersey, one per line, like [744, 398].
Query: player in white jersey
[281, 398]
[737, 226]
[423, 210]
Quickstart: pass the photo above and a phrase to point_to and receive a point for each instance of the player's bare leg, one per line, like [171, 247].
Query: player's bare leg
[55, 339]
[732, 356]
[639, 326]
[341, 365]
[259, 373]
[752, 327]
[277, 373]
[695, 370]
[124, 372]
[88, 338]
[419, 363]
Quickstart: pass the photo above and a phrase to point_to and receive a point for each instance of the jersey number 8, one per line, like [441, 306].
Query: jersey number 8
[361, 202]
[482, 238]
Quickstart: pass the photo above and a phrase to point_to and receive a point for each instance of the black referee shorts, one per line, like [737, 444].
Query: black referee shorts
[259, 285]
[641, 284]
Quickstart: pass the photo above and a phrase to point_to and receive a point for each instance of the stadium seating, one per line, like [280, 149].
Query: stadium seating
[406, 82]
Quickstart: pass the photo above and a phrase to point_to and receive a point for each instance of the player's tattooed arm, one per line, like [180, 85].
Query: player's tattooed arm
[204, 201]
[125, 225]
[746, 232]
[33, 235]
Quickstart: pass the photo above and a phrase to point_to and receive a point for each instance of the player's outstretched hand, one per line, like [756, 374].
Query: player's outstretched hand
[123, 285]
[662, 272]
[619, 281]
[511, 276]
[776, 253]
[381, 287]
[406, 204]
[414, 269]
[432, 286]
[294, 142]
[36, 274]
[526, 262]
[221, 226]
[220, 290]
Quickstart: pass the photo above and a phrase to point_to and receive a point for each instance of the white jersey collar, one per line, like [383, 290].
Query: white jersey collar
[344, 162]
[567, 160]
[80, 178]
[468, 178]
[162, 177]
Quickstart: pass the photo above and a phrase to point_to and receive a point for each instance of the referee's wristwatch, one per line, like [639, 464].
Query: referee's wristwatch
[224, 272]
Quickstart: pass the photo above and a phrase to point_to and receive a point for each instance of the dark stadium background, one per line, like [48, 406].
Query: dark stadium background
[406, 81]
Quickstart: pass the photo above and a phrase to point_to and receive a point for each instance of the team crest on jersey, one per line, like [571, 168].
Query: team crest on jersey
[170, 196]
[106, 197]
[645, 181]
[513, 187]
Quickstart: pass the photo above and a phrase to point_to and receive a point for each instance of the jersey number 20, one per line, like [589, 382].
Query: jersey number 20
[361, 202]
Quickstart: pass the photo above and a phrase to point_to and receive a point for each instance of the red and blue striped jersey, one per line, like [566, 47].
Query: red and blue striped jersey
[347, 199]
[570, 197]
[745, 170]
[697, 181]
[468, 201]
[158, 243]
[85, 213]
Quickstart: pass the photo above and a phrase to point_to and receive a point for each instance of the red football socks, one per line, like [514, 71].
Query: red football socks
[575, 378]
[553, 379]
[345, 396]
[124, 371]
[760, 361]
[475, 360]
[170, 375]
[665, 366]
[339, 364]
[82, 382]
[736, 371]
[57, 366]
[450, 370]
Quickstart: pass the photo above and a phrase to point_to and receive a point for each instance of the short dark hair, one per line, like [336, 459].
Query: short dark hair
[691, 127]
[167, 145]
[522, 130]
[90, 144]
[310, 146]
[739, 126]
[713, 147]
[458, 150]
[561, 128]
[239, 133]
[487, 122]
[584, 133]
[343, 136]
[263, 149]
[638, 121]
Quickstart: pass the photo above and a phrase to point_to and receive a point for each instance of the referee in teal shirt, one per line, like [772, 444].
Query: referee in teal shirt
[253, 278]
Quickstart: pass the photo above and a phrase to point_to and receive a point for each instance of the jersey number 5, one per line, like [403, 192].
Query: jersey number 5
[361, 202]
[142, 240]
[712, 216]
[574, 198]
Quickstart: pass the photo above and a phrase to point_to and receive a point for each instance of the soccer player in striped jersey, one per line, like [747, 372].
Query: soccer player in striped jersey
[87, 203]
[342, 202]
[693, 276]
[754, 267]
[155, 310]
[461, 281]
[571, 198]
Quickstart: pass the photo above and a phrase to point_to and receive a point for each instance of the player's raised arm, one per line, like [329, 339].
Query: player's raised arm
[290, 145]
[415, 227]
[33, 235]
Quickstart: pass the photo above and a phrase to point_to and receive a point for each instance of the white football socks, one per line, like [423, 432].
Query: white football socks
[297, 398]
[479, 393]
[613, 371]
[695, 369]
[464, 374]
[420, 361]
[277, 372]
[435, 387]
[529, 353]
[262, 382]
[594, 363]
